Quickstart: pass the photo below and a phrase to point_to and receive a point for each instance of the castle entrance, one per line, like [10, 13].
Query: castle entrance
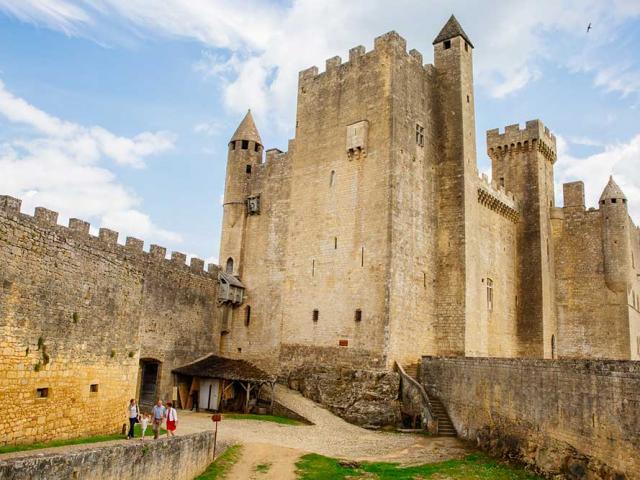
[149, 374]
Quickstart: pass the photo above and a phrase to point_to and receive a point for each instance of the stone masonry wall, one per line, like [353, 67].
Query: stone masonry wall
[77, 313]
[573, 417]
[179, 458]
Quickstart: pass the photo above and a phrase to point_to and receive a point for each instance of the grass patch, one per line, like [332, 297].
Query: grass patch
[221, 466]
[77, 441]
[472, 467]
[263, 467]
[264, 418]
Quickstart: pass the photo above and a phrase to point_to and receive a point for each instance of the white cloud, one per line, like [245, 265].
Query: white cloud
[622, 160]
[60, 166]
[267, 44]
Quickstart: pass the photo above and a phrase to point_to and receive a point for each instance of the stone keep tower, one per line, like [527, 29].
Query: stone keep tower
[244, 154]
[455, 169]
[522, 162]
[615, 238]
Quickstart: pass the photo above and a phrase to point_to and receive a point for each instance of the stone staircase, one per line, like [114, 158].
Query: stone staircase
[445, 425]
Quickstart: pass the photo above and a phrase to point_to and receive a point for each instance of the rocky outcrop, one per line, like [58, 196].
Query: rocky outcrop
[363, 397]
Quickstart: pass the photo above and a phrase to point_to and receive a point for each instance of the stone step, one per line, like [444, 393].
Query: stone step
[445, 425]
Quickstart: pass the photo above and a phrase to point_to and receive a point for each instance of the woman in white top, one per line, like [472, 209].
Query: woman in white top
[172, 420]
[133, 417]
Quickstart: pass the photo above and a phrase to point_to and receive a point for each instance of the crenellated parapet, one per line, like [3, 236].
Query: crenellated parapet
[389, 42]
[495, 197]
[534, 137]
[106, 241]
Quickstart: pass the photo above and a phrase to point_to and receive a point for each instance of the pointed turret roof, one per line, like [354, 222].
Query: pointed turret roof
[247, 130]
[612, 190]
[451, 30]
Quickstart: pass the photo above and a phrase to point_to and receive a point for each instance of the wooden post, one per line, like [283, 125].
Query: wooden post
[222, 400]
[246, 402]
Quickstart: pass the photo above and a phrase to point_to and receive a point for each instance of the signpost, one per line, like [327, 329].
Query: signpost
[215, 418]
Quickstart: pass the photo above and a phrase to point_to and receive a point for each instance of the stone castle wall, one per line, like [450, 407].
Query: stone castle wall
[571, 417]
[77, 313]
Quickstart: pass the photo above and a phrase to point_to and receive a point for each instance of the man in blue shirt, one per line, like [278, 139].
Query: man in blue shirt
[159, 412]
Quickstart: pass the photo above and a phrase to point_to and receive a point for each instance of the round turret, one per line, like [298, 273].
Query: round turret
[615, 237]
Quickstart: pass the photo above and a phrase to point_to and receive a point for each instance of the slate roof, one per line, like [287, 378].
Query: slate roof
[213, 366]
[247, 130]
[451, 30]
[230, 279]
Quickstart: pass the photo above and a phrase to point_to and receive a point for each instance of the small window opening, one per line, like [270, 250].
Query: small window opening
[424, 279]
[447, 44]
[467, 98]
[335, 243]
[256, 147]
[313, 268]
[93, 388]
[362, 257]
[614, 200]
[624, 200]
[247, 316]
[332, 178]
[248, 169]
[42, 392]
[502, 181]
[489, 294]
[239, 349]
[232, 145]
[358, 315]
[419, 135]
[553, 346]
[466, 47]
[316, 315]
[229, 268]
[245, 145]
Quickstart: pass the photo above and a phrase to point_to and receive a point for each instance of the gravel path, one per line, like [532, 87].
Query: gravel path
[330, 435]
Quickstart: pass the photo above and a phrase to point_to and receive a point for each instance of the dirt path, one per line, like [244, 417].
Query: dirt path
[261, 461]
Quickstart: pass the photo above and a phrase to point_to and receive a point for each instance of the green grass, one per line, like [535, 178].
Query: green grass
[220, 467]
[77, 441]
[264, 418]
[472, 467]
[263, 467]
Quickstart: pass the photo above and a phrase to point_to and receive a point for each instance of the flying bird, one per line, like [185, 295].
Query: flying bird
[589, 27]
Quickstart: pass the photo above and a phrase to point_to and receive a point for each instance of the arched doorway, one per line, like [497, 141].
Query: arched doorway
[149, 380]
[229, 267]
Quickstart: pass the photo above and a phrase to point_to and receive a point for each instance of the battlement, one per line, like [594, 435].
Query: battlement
[495, 197]
[107, 240]
[390, 41]
[534, 136]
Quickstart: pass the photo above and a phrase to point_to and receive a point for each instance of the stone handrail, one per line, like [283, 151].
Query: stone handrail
[413, 384]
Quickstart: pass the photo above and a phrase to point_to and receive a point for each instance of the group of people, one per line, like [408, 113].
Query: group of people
[159, 414]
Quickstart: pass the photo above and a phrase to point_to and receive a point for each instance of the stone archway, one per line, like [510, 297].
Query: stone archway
[150, 369]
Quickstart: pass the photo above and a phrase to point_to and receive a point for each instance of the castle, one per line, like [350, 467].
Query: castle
[373, 238]
[372, 241]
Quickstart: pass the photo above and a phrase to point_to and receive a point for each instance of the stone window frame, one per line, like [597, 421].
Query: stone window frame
[43, 392]
[419, 134]
[489, 287]
[94, 388]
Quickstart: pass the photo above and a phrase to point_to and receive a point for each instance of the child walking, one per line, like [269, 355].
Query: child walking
[144, 423]
[172, 420]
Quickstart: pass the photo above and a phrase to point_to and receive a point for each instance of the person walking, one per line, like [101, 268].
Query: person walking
[172, 420]
[194, 400]
[158, 414]
[133, 417]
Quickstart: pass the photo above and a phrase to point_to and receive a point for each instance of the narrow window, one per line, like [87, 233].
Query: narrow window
[256, 147]
[42, 392]
[358, 315]
[248, 169]
[424, 279]
[239, 349]
[467, 98]
[316, 315]
[502, 181]
[613, 200]
[247, 316]
[229, 268]
[313, 268]
[466, 47]
[553, 346]
[335, 243]
[638, 342]
[245, 145]
[419, 135]
[362, 257]
[232, 145]
[447, 44]
[489, 294]
[332, 178]
[93, 388]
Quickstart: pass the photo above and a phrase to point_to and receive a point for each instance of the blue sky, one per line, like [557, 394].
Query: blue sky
[119, 111]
